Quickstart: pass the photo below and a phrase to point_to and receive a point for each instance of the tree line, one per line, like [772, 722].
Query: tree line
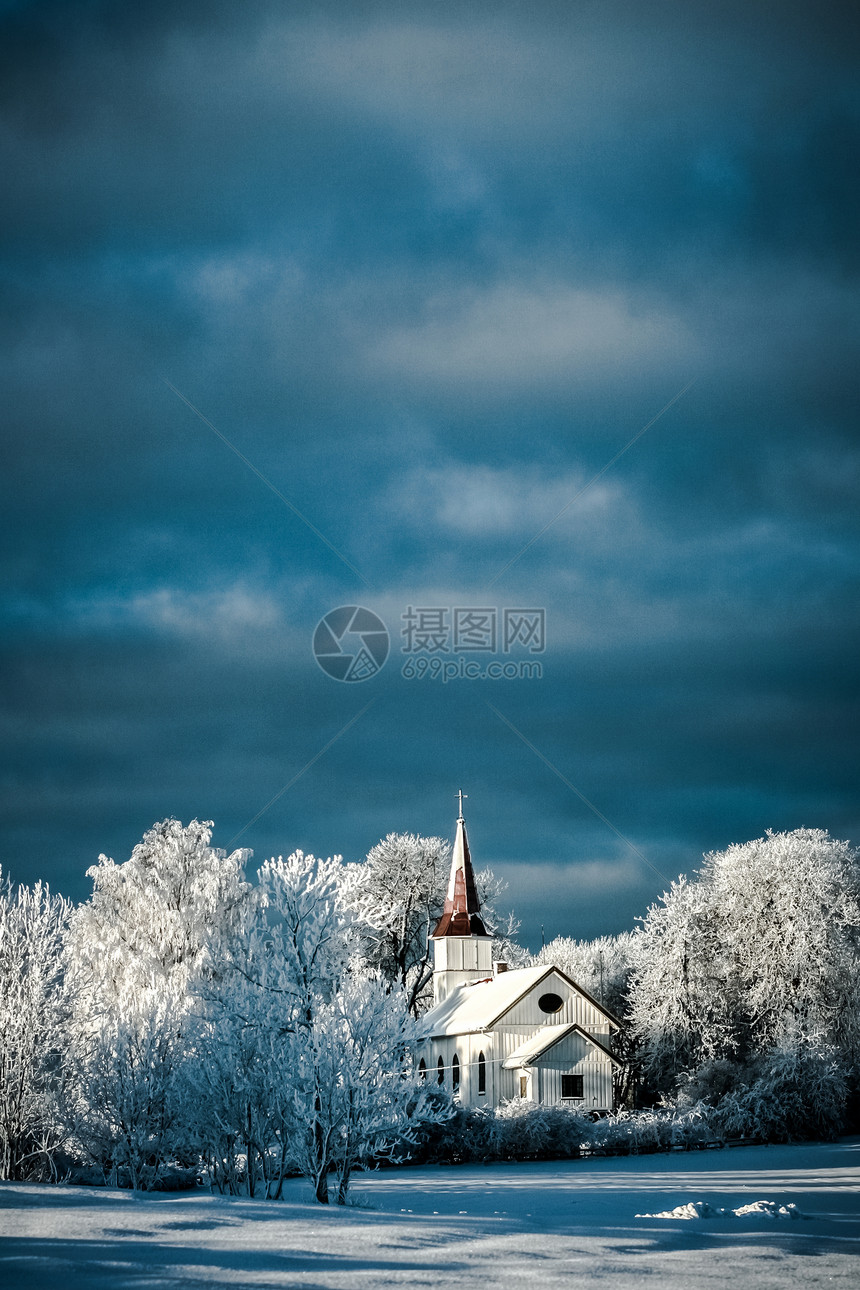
[188, 1016]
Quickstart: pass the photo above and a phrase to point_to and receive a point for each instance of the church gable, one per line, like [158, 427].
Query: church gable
[569, 1053]
[555, 1000]
[558, 1046]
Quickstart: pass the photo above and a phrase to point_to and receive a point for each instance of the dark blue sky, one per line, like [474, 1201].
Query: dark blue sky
[429, 268]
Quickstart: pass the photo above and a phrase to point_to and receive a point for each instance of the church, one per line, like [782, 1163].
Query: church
[496, 1033]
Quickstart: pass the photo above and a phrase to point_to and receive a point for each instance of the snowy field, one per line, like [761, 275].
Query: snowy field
[571, 1224]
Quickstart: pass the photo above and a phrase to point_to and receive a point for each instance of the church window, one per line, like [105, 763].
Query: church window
[482, 1074]
[440, 1068]
[571, 1086]
[550, 1002]
[455, 1072]
[422, 1068]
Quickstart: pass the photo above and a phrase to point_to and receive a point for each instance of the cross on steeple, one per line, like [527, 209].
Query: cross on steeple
[461, 795]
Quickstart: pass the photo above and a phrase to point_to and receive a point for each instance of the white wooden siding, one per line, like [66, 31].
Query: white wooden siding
[573, 1055]
[574, 1008]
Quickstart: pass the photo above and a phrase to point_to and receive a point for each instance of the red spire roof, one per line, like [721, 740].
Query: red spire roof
[461, 912]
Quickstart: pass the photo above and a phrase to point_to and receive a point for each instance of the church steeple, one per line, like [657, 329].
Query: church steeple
[462, 946]
[461, 912]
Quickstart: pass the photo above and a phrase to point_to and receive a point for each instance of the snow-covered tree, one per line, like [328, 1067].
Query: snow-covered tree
[300, 1058]
[396, 896]
[152, 919]
[131, 1111]
[308, 926]
[757, 955]
[240, 1075]
[357, 1072]
[796, 1089]
[256, 1007]
[682, 1005]
[789, 913]
[33, 1029]
[133, 952]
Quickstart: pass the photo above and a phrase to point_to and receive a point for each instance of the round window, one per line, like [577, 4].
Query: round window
[550, 1002]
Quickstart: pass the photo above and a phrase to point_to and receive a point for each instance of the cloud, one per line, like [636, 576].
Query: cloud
[234, 610]
[515, 335]
[429, 270]
[606, 895]
[485, 502]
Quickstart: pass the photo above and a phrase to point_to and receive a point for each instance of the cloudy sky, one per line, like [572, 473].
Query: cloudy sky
[322, 304]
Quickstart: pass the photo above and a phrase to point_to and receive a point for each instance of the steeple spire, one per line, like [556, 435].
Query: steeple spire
[461, 912]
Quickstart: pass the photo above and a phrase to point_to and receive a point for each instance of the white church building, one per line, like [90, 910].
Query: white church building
[495, 1032]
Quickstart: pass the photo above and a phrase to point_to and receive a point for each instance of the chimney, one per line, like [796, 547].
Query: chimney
[499, 966]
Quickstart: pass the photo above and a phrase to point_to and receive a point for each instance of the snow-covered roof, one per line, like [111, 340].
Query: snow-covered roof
[536, 1045]
[480, 1004]
[544, 1039]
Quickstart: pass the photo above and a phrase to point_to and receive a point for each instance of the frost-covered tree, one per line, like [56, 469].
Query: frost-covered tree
[240, 1075]
[758, 955]
[33, 1029]
[309, 925]
[276, 973]
[796, 1089]
[133, 951]
[356, 1066]
[396, 896]
[301, 1059]
[152, 919]
[682, 1007]
[789, 913]
[131, 1111]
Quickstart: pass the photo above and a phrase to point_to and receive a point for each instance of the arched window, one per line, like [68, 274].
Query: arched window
[482, 1074]
[440, 1068]
[422, 1069]
[455, 1072]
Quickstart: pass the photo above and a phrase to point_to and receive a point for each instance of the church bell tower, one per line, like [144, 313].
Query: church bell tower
[462, 946]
